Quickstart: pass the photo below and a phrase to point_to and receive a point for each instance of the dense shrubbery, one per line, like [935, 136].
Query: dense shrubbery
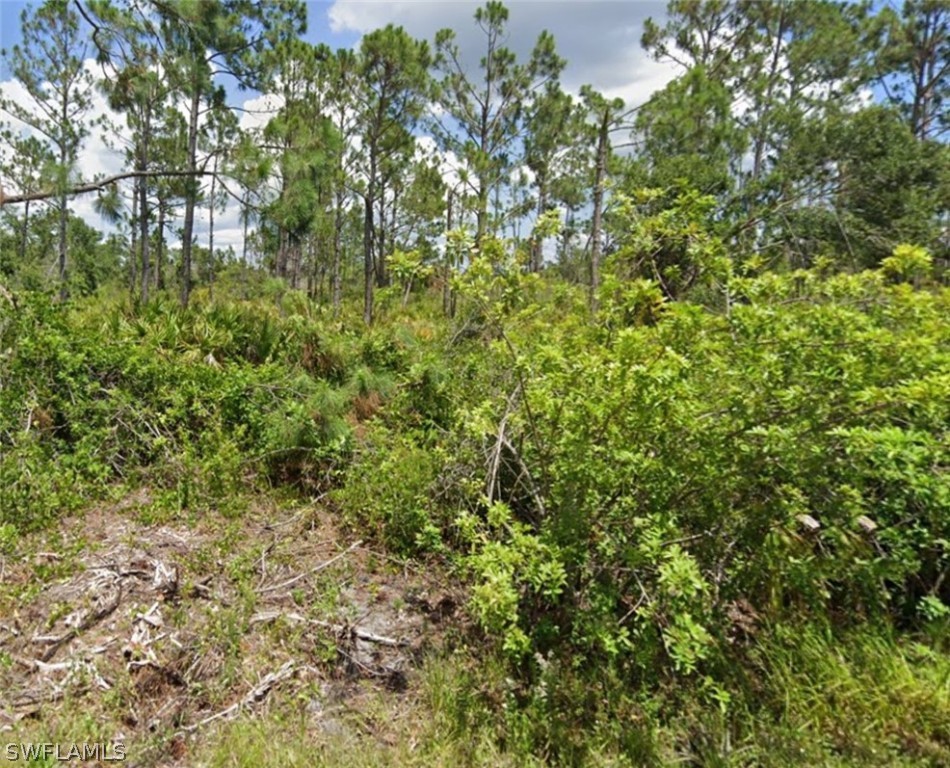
[654, 497]
[656, 490]
[683, 464]
[657, 493]
[199, 404]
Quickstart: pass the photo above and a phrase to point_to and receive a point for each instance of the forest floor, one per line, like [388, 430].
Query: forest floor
[158, 632]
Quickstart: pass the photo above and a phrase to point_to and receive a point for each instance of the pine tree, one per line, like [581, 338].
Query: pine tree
[484, 114]
[49, 63]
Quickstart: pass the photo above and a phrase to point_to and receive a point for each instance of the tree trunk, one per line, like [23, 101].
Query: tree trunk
[368, 236]
[481, 225]
[295, 254]
[537, 245]
[761, 138]
[311, 268]
[214, 178]
[280, 265]
[63, 211]
[159, 248]
[24, 234]
[134, 244]
[63, 214]
[337, 277]
[368, 271]
[380, 248]
[143, 210]
[447, 267]
[599, 173]
[925, 85]
[339, 182]
[244, 248]
[191, 196]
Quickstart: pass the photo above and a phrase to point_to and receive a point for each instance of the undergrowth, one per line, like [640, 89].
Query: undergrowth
[807, 698]
[708, 532]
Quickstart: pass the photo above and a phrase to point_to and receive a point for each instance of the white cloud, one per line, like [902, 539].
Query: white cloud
[259, 110]
[96, 157]
[451, 165]
[600, 39]
[647, 78]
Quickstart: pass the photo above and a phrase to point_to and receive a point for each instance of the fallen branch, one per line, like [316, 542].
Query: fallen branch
[73, 668]
[339, 629]
[315, 569]
[78, 621]
[55, 642]
[255, 695]
[53, 639]
[11, 630]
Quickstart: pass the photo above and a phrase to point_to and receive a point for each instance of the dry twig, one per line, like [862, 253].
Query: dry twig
[255, 695]
[339, 629]
[315, 569]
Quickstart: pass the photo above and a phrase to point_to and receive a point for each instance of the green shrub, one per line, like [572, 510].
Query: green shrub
[389, 491]
[785, 456]
[303, 439]
[196, 402]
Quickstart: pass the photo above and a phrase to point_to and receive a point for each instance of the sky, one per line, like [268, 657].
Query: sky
[600, 39]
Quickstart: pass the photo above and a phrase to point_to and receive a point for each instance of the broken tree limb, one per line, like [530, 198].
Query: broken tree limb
[502, 444]
[866, 524]
[315, 569]
[255, 695]
[95, 186]
[339, 629]
[495, 461]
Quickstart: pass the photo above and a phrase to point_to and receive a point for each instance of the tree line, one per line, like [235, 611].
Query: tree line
[800, 132]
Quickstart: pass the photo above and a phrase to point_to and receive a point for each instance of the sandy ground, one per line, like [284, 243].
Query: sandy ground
[159, 631]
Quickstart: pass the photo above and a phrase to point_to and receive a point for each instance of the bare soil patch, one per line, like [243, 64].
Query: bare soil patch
[156, 632]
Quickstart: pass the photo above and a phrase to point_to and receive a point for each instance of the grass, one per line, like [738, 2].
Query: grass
[430, 727]
[862, 699]
[854, 701]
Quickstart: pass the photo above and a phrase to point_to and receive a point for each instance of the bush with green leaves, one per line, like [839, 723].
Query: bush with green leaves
[390, 491]
[199, 403]
[704, 473]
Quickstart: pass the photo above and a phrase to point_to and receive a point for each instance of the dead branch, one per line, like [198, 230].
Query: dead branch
[48, 555]
[96, 186]
[11, 630]
[255, 695]
[339, 629]
[78, 622]
[502, 442]
[315, 569]
[495, 462]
